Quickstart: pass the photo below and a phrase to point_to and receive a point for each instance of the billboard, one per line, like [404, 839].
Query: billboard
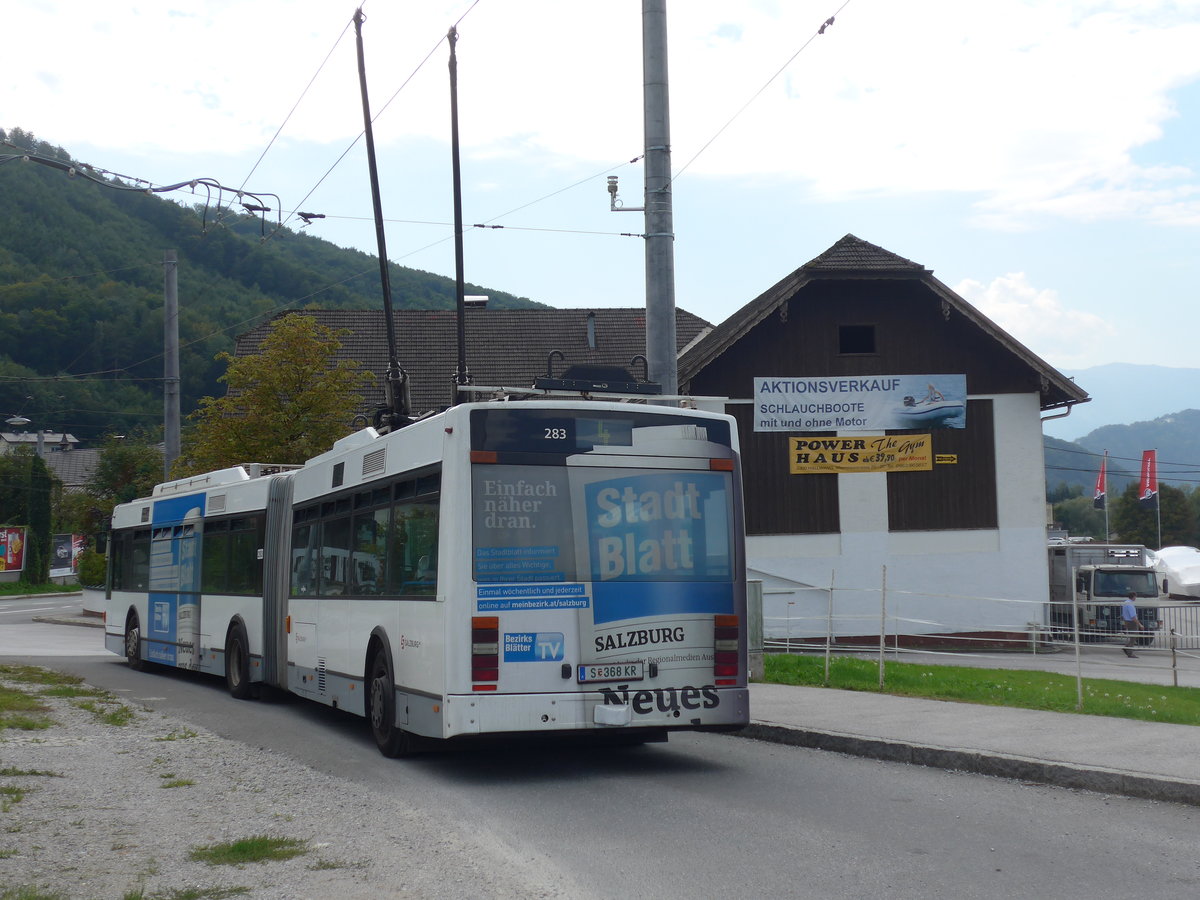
[865, 453]
[873, 402]
[66, 550]
[12, 549]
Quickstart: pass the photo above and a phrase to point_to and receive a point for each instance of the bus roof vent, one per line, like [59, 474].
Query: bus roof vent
[374, 462]
[216, 503]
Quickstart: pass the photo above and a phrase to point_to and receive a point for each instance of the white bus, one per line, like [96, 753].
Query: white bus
[499, 568]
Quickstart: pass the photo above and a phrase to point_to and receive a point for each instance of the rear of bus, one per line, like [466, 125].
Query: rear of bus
[607, 573]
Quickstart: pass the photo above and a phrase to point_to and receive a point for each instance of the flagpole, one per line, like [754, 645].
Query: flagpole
[1157, 501]
[1104, 469]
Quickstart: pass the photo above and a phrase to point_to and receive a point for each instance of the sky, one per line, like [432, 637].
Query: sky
[1041, 157]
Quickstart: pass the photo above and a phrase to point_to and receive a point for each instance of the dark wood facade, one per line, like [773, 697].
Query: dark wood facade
[859, 310]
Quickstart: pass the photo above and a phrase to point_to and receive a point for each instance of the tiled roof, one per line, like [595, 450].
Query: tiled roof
[859, 257]
[852, 257]
[74, 468]
[505, 347]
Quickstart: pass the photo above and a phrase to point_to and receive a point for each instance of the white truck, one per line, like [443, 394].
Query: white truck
[1099, 577]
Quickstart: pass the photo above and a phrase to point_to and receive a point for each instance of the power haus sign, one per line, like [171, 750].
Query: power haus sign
[861, 453]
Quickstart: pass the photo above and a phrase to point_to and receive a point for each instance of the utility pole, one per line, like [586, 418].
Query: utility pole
[170, 361]
[661, 353]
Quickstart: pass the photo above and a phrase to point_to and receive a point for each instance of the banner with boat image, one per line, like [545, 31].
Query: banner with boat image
[868, 402]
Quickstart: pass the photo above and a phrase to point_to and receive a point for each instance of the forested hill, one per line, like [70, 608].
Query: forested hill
[81, 293]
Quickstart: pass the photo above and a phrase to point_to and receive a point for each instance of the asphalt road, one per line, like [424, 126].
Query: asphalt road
[709, 815]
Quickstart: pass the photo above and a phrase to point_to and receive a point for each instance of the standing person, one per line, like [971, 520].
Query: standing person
[1131, 623]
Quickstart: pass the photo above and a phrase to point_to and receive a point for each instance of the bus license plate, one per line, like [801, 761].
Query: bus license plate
[629, 671]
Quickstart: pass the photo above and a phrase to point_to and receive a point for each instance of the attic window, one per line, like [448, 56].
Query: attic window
[856, 339]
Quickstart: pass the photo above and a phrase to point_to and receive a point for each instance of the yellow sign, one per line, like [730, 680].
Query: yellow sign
[861, 453]
[946, 459]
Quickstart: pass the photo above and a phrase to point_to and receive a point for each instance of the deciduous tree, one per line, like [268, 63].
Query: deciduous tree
[286, 404]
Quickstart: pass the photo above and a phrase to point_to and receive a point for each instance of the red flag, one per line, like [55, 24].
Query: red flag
[1148, 488]
[1101, 494]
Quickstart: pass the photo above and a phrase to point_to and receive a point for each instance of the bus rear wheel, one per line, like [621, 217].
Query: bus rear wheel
[237, 664]
[391, 740]
[133, 644]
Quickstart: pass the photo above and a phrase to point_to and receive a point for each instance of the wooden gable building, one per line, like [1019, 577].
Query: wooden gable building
[968, 528]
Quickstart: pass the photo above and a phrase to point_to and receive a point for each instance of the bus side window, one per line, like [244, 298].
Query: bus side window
[245, 568]
[415, 553]
[335, 556]
[214, 563]
[370, 546]
[304, 560]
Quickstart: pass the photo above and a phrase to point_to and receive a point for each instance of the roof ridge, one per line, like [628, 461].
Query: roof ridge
[852, 253]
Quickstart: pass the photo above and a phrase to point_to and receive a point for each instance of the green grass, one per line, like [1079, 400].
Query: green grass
[10, 795]
[110, 713]
[19, 588]
[260, 848]
[177, 735]
[993, 687]
[14, 772]
[29, 893]
[37, 675]
[21, 710]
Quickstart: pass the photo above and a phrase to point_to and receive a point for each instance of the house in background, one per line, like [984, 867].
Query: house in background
[505, 347]
[42, 441]
[963, 541]
[69, 464]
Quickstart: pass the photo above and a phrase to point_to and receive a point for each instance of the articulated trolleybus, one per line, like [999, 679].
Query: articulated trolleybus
[547, 566]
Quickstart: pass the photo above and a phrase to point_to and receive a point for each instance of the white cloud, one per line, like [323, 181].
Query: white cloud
[1035, 107]
[1066, 338]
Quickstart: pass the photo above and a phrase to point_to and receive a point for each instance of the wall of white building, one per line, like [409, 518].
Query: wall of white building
[935, 581]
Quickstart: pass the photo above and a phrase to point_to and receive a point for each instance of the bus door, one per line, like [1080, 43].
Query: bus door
[173, 610]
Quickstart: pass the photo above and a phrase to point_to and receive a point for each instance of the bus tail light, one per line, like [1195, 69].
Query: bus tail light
[725, 649]
[485, 652]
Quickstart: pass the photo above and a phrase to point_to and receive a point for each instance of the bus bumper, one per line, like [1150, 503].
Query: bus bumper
[684, 708]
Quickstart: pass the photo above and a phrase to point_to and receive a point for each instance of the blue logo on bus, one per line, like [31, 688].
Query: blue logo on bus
[529, 646]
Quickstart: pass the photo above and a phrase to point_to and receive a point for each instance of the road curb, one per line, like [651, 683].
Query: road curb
[85, 621]
[1089, 778]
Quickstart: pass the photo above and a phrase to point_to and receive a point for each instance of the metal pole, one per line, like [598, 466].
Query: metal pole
[829, 628]
[396, 376]
[661, 352]
[882, 623]
[170, 361]
[1174, 661]
[1106, 531]
[1078, 659]
[460, 376]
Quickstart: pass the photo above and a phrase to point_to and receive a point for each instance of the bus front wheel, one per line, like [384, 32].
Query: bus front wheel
[237, 664]
[133, 644]
[381, 710]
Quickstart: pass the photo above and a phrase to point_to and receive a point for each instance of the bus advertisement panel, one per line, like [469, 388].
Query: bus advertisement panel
[636, 548]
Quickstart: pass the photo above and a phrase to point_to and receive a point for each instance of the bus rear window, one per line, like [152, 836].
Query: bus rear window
[552, 431]
[574, 523]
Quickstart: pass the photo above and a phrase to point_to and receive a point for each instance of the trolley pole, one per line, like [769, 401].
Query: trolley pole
[170, 361]
[661, 348]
